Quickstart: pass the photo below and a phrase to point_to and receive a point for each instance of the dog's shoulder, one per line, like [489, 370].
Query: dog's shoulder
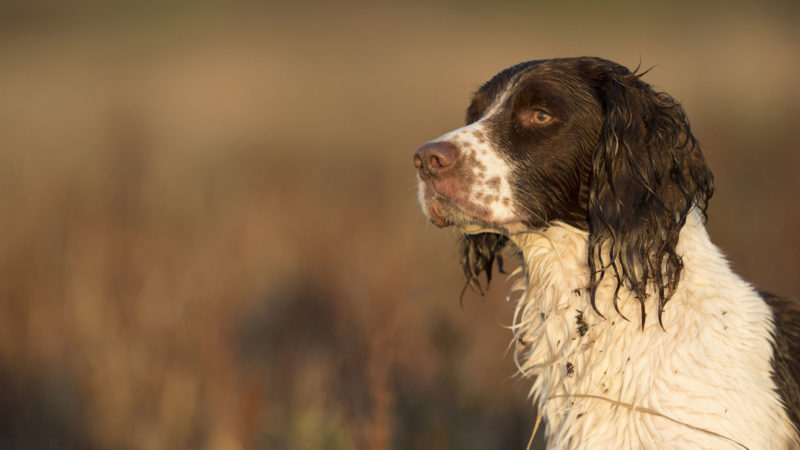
[786, 351]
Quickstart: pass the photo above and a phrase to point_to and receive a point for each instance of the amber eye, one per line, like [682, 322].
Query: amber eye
[535, 117]
[540, 117]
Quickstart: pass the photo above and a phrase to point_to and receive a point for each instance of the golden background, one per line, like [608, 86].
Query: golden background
[209, 230]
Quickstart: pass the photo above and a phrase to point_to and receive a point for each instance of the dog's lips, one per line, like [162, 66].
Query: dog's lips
[439, 214]
[444, 212]
[446, 204]
[436, 217]
[443, 202]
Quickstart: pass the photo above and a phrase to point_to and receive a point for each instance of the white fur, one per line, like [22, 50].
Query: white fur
[490, 166]
[708, 368]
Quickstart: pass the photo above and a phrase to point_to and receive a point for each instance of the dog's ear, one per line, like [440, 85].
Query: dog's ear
[479, 252]
[647, 173]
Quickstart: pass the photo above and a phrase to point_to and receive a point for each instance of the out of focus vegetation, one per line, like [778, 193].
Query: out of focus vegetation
[210, 237]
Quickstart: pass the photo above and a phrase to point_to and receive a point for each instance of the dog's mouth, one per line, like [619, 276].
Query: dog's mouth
[450, 201]
[436, 216]
[444, 212]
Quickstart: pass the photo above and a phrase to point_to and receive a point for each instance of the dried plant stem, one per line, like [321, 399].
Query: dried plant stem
[535, 427]
[642, 410]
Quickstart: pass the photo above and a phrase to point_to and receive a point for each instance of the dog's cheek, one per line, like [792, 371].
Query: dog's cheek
[491, 185]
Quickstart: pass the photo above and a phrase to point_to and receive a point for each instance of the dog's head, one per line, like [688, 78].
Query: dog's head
[578, 140]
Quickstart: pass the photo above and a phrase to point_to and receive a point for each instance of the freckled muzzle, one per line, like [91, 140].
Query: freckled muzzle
[437, 164]
[462, 179]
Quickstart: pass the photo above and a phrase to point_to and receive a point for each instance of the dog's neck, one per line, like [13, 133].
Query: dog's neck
[701, 381]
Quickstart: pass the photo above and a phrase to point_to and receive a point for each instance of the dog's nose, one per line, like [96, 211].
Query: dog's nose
[435, 157]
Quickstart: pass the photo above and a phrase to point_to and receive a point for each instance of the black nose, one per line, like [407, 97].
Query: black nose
[435, 157]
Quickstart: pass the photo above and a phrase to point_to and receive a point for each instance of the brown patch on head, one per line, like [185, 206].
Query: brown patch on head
[479, 136]
[493, 183]
[506, 201]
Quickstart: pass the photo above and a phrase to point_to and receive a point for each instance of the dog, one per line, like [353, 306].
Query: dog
[634, 327]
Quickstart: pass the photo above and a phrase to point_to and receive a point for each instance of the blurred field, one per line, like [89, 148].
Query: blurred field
[210, 237]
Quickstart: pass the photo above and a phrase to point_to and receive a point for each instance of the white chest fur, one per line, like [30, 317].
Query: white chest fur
[703, 381]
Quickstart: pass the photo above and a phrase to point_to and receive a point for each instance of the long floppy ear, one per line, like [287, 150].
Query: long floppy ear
[479, 252]
[647, 173]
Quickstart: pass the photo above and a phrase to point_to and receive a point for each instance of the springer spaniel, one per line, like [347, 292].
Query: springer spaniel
[637, 331]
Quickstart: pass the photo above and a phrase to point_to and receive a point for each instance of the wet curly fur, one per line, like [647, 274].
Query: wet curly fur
[647, 172]
[593, 199]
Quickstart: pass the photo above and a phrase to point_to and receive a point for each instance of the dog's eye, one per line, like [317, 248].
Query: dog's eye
[540, 117]
[536, 117]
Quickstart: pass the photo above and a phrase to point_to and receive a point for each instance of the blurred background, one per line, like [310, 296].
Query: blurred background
[210, 237]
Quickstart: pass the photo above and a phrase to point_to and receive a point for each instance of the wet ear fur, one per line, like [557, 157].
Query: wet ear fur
[647, 173]
[479, 252]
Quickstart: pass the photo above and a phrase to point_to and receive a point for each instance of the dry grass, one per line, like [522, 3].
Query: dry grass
[210, 236]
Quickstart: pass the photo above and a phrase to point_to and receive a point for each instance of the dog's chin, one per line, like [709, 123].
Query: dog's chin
[444, 213]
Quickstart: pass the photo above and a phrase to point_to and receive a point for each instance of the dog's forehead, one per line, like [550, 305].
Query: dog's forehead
[506, 79]
[515, 79]
[566, 82]
[494, 92]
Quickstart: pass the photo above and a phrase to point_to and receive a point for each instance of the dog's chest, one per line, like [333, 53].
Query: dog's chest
[701, 381]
